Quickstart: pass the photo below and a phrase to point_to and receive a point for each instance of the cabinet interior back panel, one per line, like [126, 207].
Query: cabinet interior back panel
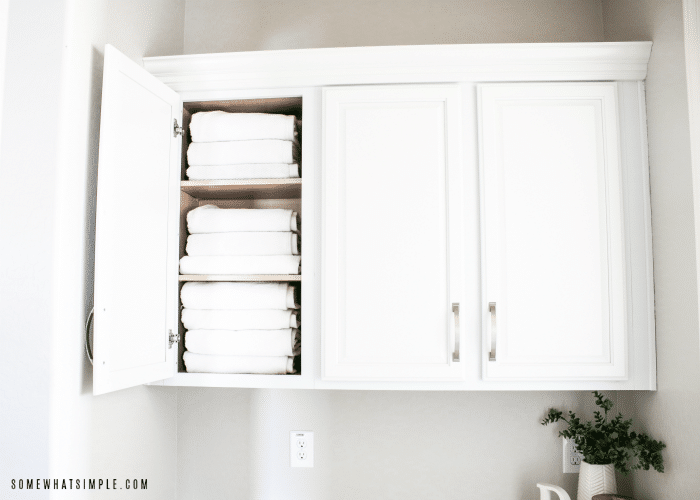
[394, 238]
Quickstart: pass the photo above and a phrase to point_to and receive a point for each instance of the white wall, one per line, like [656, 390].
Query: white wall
[223, 26]
[4, 11]
[671, 413]
[52, 426]
[27, 174]
[691, 39]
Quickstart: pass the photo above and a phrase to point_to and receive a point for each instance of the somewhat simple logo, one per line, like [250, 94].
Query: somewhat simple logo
[78, 484]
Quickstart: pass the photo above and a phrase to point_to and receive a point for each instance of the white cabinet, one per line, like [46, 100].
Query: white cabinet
[552, 224]
[391, 200]
[141, 229]
[435, 183]
[564, 300]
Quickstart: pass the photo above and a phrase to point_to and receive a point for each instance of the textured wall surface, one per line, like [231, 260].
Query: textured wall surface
[216, 26]
[671, 413]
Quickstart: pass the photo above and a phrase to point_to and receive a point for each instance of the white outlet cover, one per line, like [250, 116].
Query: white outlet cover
[301, 449]
[571, 457]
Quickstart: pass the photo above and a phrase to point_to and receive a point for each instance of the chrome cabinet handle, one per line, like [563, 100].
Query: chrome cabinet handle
[492, 310]
[455, 311]
[88, 349]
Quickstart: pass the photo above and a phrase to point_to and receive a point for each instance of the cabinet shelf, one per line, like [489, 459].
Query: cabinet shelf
[243, 189]
[240, 277]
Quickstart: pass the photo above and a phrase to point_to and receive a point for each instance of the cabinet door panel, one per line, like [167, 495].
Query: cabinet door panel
[388, 151]
[552, 227]
[136, 246]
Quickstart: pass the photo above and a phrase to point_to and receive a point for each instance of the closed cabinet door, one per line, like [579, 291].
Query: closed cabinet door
[390, 306]
[552, 229]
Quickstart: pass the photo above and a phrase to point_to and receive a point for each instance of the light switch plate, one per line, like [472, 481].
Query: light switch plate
[301, 449]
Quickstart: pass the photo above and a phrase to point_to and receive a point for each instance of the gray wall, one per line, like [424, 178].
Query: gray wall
[213, 443]
[225, 26]
[671, 413]
[403, 445]
[233, 444]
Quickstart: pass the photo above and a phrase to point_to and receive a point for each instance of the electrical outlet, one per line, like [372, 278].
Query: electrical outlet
[572, 457]
[301, 449]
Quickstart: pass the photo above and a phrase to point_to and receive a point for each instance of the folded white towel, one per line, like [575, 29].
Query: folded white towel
[265, 365]
[244, 171]
[212, 219]
[227, 295]
[233, 319]
[214, 126]
[285, 342]
[232, 152]
[243, 243]
[240, 264]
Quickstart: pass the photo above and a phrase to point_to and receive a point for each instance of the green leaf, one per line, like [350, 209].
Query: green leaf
[606, 441]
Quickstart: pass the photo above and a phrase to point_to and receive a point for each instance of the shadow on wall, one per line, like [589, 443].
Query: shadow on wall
[97, 64]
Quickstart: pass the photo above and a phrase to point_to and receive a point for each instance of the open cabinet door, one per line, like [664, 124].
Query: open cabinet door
[136, 241]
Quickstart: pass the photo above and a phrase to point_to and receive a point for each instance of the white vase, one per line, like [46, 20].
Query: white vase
[595, 479]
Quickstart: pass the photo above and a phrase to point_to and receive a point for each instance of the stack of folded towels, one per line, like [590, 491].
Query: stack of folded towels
[241, 241]
[240, 327]
[243, 146]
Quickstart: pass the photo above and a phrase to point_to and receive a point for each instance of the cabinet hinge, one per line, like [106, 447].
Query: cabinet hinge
[177, 129]
[172, 338]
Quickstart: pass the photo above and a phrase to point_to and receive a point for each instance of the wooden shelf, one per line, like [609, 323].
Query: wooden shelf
[243, 189]
[240, 277]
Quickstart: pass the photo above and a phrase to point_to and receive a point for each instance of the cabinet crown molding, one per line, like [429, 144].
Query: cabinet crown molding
[403, 64]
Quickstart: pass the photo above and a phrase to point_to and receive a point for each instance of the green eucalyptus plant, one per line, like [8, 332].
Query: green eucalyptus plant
[604, 441]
